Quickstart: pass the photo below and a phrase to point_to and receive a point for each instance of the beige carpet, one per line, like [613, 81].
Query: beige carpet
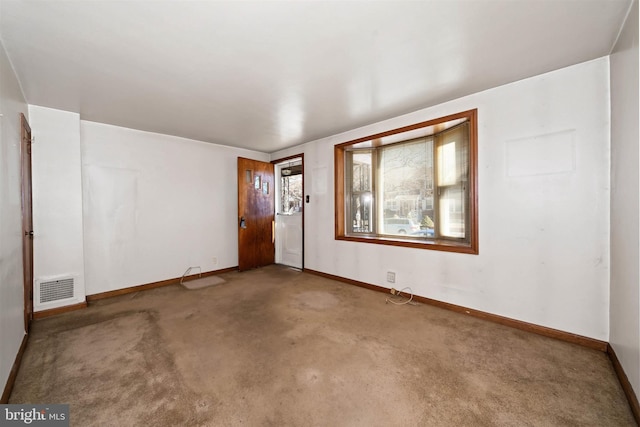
[279, 347]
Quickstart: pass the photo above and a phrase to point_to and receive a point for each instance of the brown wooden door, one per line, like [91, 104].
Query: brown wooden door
[256, 204]
[27, 221]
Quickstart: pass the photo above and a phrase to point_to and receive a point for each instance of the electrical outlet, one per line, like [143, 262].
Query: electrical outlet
[391, 277]
[215, 260]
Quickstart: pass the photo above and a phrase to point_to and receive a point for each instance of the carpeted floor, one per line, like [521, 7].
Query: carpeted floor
[276, 346]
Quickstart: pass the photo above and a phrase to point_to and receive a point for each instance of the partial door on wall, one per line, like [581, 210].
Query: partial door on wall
[27, 220]
[256, 226]
[290, 211]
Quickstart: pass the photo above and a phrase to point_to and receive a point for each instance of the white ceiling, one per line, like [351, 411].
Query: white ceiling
[267, 75]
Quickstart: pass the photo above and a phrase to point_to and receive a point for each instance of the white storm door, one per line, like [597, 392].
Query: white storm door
[290, 212]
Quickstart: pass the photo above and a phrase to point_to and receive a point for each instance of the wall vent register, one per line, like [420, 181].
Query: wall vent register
[56, 290]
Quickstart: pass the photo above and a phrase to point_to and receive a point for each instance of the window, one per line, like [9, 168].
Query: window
[414, 186]
[290, 188]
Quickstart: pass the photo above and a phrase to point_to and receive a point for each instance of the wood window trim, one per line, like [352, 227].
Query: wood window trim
[440, 245]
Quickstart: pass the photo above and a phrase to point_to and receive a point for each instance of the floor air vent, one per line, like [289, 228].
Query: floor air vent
[56, 290]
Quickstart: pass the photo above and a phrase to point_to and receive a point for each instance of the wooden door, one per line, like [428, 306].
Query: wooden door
[27, 220]
[256, 227]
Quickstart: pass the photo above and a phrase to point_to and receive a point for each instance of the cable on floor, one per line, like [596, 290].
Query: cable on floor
[399, 295]
[188, 270]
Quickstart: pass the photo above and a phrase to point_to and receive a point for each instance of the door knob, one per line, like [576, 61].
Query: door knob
[28, 233]
[243, 223]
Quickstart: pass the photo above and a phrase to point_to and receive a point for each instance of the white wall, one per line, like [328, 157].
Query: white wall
[625, 207]
[155, 205]
[544, 254]
[57, 201]
[12, 103]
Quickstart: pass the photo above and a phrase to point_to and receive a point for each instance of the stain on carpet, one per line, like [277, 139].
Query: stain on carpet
[317, 300]
[109, 368]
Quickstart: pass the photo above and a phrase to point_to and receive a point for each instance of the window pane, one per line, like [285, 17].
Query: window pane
[361, 193]
[453, 169]
[453, 156]
[291, 196]
[361, 204]
[452, 212]
[406, 187]
[361, 172]
[447, 171]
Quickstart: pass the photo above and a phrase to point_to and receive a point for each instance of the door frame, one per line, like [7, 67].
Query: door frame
[26, 180]
[304, 195]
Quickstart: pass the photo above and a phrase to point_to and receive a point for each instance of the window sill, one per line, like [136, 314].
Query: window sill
[430, 244]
